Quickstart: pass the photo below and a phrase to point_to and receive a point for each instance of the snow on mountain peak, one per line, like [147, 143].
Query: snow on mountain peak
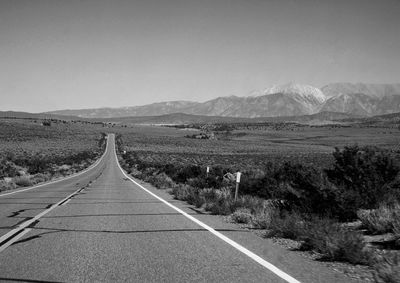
[306, 91]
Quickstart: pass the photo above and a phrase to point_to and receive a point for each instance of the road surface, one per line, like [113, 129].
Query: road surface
[101, 226]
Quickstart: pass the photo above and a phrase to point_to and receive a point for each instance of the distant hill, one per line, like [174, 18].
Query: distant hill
[393, 118]
[320, 118]
[172, 119]
[26, 115]
[181, 118]
[277, 101]
[153, 109]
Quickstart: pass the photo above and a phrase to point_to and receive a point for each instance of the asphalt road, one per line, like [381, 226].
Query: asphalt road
[102, 227]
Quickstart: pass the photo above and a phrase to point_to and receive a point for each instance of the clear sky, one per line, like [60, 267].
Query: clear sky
[66, 54]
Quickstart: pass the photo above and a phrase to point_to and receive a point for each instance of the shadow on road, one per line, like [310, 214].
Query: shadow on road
[115, 214]
[60, 230]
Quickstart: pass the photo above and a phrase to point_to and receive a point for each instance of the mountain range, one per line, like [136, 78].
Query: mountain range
[284, 100]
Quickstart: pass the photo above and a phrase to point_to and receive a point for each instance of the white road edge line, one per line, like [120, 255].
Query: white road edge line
[27, 223]
[13, 240]
[66, 178]
[237, 246]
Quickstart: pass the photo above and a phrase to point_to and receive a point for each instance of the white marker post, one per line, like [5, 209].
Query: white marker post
[238, 174]
[208, 170]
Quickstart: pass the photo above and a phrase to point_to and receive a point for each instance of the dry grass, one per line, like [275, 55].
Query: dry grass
[384, 219]
[4, 185]
[264, 215]
[45, 152]
[162, 181]
[335, 242]
[387, 268]
[242, 215]
[286, 225]
[396, 225]
[23, 181]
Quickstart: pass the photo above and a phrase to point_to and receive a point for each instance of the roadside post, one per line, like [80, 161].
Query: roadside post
[238, 174]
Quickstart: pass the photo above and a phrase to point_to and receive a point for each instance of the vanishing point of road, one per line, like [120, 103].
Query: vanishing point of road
[103, 226]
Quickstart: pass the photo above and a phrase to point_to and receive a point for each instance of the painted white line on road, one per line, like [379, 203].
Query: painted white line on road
[13, 240]
[63, 179]
[237, 246]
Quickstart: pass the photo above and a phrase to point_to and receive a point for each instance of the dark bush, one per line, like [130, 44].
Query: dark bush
[36, 164]
[387, 268]
[286, 225]
[103, 141]
[334, 242]
[187, 172]
[7, 169]
[119, 142]
[363, 176]
[360, 178]
[262, 184]
[303, 188]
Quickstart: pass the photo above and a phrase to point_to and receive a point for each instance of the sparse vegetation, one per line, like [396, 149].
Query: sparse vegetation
[335, 242]
[285, 224]
[242, 215]
[292, 185]
[380, 220]
[31, 153]
[387, 268]
[301, 196]
[363, 176]
[23, 181]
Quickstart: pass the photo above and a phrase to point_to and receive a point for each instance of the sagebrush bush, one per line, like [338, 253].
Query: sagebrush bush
[162, 181]
[286, 225]
[188, 172]
[23, 181]
[181, 192]
[196, 199]
[334, 242]
[377, 221]
[250, 202]
[208, 195]
[384, 219]
[264, 215]
[4, 185]
[223, 202]
[39, 178]
[396, 224]
[242, 215]
[7, 168]
[363, 175]
[387, 268]
[188, 194]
